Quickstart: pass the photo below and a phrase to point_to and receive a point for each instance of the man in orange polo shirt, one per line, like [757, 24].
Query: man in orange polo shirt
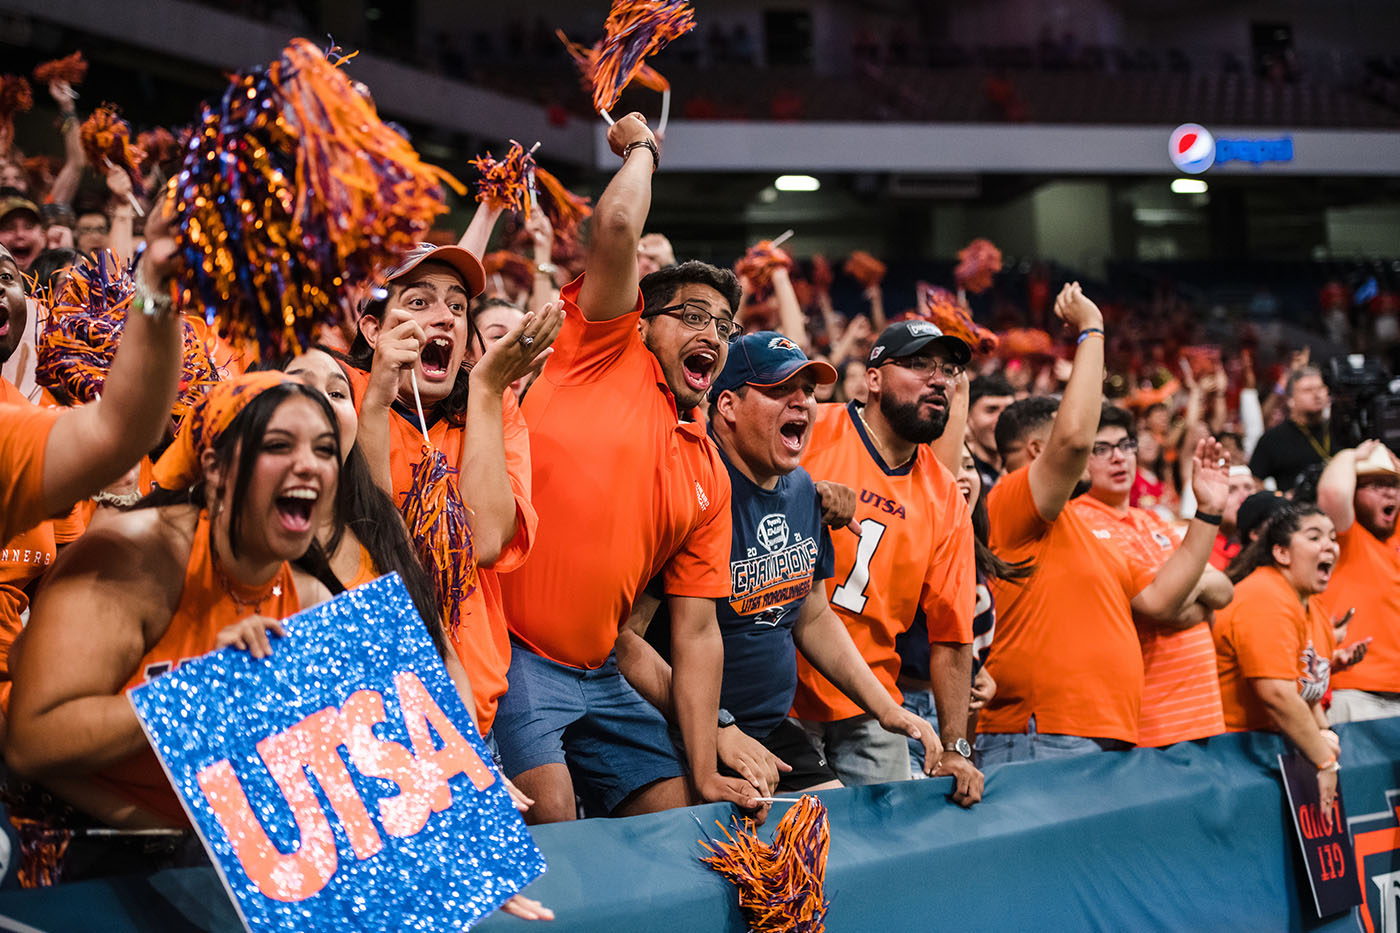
[914, 556]
[1180, 690]
[627, 485]
[1360, 492]
[412, 342]
[1066, 658]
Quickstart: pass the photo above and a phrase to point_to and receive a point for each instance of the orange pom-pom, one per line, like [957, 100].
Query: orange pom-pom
[71, 69]
[512, 267]
[107, 144]
[439, 526]
[587, 61]
[952, 317]
[978, 262]
[15, 97]
[1024, 341]
[634, 31]
[505, 183]
[157, 146]
[865, 268]
[759, 262]
[782, 885]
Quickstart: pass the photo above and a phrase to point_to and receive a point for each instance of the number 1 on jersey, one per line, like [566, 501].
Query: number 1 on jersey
[851, 594]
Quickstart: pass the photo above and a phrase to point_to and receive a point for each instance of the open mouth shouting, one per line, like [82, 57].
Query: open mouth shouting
[698, 368]
[1324, 569]
[294, 508]
[436, 358]
[4, 320]
[793, 433]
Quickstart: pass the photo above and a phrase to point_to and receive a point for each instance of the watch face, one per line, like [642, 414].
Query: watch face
[962, 748]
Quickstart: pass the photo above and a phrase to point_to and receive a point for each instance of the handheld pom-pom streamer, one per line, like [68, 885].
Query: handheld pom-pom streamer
[157, 147]
[781, 886]
[762, 259]
[70, 70]
[586, 58]
[41, 170]
[440, 527]
[107, 145]
[15, 97]
[292, 193]
[634, 31]
[1024, 341]
[865, 268]
[952, 317]
[74, 350]
[505, 266]
[978, 261]
[505, 183]
[566, 211]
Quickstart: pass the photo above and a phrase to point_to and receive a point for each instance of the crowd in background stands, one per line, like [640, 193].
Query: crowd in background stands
[698, 580]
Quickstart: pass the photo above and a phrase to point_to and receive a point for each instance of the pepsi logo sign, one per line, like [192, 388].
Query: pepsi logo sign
[1192, 148]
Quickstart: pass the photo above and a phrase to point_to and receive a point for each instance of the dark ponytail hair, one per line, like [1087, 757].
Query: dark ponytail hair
[989, 564]
[1277, 532]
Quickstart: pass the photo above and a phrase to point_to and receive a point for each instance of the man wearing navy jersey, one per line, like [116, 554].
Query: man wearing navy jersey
[762, 407]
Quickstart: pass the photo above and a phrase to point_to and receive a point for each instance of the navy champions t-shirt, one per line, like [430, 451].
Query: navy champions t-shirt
[780, 550]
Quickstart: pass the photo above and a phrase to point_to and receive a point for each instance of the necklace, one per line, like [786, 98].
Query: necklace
[1323, 450]
[870, 433]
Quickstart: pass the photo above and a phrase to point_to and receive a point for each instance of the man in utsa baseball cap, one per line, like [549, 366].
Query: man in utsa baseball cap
[907, 338]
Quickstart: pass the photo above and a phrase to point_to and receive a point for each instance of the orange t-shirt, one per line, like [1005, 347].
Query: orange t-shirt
[919, 556]
[1367, 577]
[1066, 649]
[1180, 691]
[481, 641]
[24, 435]
[206, 608]
[1266, 633]
[624, 490]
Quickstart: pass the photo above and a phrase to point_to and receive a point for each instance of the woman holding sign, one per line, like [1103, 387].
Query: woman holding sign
[201, 563]
[1273, 642]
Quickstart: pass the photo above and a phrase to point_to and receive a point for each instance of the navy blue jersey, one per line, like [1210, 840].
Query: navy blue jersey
[779, 550]
[913, 645]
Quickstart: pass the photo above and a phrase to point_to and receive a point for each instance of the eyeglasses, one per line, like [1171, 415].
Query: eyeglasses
[1126, 446]
[925, 366]
[697, 317]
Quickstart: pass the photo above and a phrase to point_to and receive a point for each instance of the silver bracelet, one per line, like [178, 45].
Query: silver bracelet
[149, 303]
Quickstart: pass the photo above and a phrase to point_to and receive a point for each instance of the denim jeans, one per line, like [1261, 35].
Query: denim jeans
[859, 750]
[920, 703]
[1004, 748]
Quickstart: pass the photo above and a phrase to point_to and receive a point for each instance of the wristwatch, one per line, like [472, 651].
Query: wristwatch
[726, 718]
[961, 747]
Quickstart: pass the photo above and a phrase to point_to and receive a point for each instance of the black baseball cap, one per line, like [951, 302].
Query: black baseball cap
[767, 358]
[906, 338]
[1256, 509]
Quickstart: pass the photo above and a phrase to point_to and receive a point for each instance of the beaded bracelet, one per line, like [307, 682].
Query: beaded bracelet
[1088, 332]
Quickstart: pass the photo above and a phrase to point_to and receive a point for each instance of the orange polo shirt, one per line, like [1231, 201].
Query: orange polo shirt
[624, 490]
[918, 556]
[481, 641]
[24, 434]
[1367, 577]
[1066, 650]
[1180, 691]
[1266, 633]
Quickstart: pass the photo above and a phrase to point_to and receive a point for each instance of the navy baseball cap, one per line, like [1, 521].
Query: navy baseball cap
[906, 338]
[767, 358]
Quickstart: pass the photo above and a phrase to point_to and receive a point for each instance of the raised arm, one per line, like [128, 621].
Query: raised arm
[485, 480]
[1336, 490]
[478, 232]
[1176, 580]
[65, 184]
[791, 322]
[610, 286]
[948, 447]
[92, 446]
[1058, 469]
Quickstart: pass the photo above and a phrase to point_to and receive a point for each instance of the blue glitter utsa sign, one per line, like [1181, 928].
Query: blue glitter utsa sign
[339, 784]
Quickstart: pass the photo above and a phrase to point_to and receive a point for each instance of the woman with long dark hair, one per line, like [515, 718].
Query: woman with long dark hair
[1273, 643]
[202, 563]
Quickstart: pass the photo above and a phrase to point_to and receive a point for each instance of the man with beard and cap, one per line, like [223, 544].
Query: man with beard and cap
[1360, 492]
[1066, 659]
[914, 556]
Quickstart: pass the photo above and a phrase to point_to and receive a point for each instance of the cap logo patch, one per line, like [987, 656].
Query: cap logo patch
[923, 329]
[875, 353]
[781, 343]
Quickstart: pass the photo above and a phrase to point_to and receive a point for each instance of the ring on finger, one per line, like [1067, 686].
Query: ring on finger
[526, 340]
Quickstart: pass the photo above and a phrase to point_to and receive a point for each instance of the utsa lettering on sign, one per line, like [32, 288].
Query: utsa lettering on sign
[312, 745]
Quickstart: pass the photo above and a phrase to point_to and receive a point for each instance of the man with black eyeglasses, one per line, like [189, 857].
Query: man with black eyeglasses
[627, 485]
[914, 556]
[1180, 687]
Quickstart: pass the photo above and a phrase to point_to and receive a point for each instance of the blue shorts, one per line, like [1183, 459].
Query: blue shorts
[613, 741]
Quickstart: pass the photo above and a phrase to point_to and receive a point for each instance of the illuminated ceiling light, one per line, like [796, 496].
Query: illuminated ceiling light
[1189, 186]
[796, 183]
